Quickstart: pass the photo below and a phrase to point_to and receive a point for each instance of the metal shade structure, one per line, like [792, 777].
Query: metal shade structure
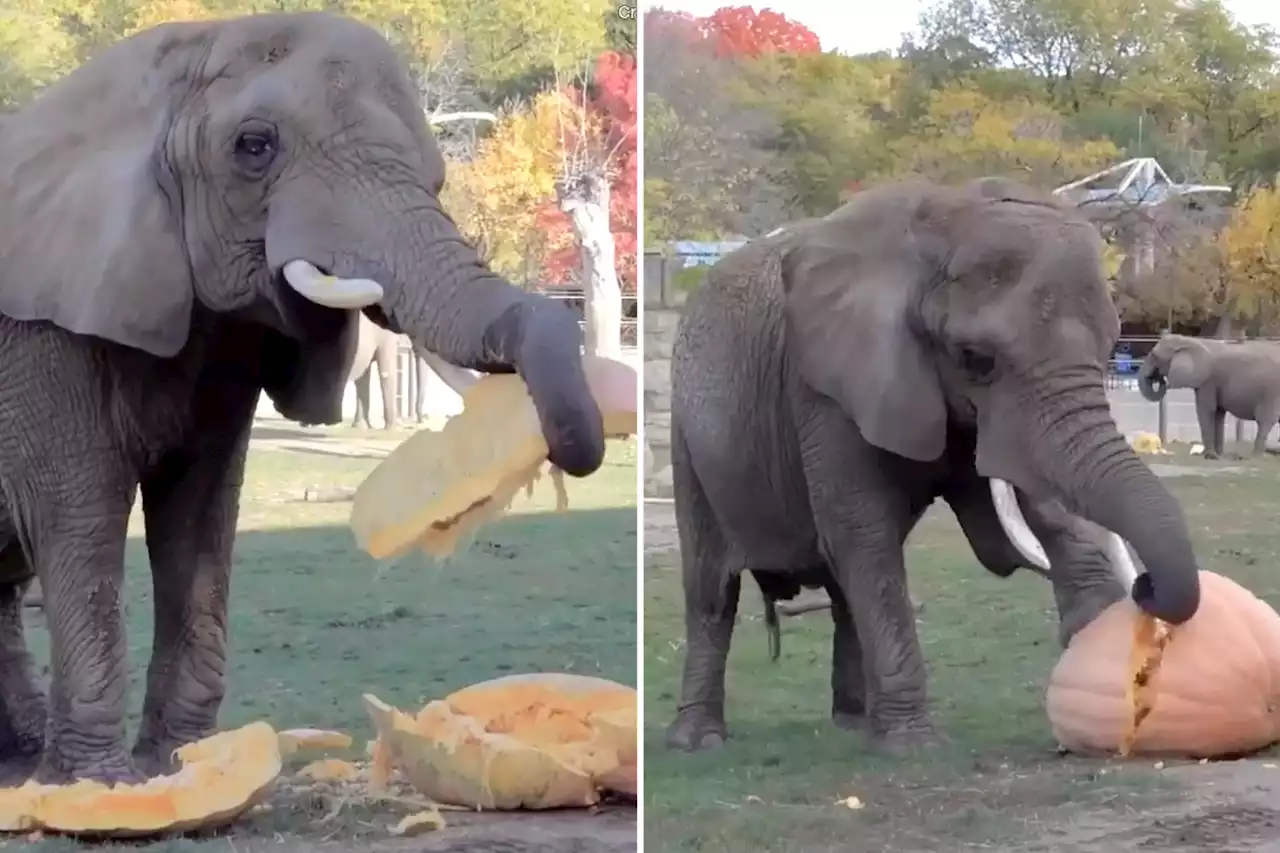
[1142, 183]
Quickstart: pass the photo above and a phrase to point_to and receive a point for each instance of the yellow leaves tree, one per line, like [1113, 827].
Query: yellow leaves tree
[34, 51]
[1249, 252]
[497, 196]
[965, 134]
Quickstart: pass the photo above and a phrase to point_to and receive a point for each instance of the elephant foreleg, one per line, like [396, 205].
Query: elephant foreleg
[863, 517]
[1211, 420]
[77, 538]
[711, 593]
[23, 710]
[362, 399]
[190, 504]
[385, 358]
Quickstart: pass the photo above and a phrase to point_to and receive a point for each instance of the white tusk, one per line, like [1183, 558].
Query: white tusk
[1122, 565]
[457, 378]
[1015, 525]
[331, 291]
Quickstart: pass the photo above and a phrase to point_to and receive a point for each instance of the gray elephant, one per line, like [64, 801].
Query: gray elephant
[191, 218]
[379, 348]
[1240, 378]
[920, 342]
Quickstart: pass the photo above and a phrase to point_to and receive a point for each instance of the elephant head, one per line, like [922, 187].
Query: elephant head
[923, 309]
[274, 172]
[1176, 361]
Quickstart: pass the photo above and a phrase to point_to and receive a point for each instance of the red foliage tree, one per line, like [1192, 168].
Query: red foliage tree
[614, 107]
[742, 31]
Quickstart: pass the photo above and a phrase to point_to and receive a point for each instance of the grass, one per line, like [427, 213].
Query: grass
[315, 622]
[990, 646]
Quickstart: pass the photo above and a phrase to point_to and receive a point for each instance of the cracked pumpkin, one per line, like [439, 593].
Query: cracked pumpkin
[537, 741]
[1210, 688]
[436, 488]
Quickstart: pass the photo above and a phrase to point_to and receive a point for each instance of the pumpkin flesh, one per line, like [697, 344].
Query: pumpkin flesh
[221, 778]
[535, 742]
[1208, 688]
[437, 488]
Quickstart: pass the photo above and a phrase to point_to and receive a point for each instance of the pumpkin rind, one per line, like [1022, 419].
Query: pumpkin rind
[436, 488]
[1215, 693]
[221, 778]
[546, 740]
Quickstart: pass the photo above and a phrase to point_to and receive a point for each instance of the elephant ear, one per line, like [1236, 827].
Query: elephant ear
[847, 301]
[90, 234]
[1189, 368]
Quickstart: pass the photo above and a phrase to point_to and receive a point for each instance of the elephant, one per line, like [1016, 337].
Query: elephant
[379, 348]
[1240, 378]
[921, 341]
[196, 215]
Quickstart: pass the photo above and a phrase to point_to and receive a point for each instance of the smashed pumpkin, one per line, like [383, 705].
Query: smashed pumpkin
[222, 777]
[539, 741]
[436, 488]
[1210, 688]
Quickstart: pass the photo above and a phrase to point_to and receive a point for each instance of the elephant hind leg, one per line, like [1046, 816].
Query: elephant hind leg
[711, 590]
[23, 707]
[848, 676]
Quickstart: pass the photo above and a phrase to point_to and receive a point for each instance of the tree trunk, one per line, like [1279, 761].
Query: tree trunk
[586, 201]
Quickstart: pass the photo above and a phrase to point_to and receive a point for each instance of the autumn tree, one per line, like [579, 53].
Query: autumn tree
[741, 31]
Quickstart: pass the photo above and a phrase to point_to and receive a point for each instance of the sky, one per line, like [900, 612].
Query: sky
[864, 26]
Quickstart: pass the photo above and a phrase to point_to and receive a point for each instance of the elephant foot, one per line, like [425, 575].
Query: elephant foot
[1209, 454]
[19, 757]
[110, 769]
[851, 721]
[903, 741]
[695, 729]
[154, 756]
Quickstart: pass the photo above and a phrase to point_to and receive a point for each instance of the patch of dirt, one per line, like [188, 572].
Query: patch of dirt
[660, 535]
[1229, 807]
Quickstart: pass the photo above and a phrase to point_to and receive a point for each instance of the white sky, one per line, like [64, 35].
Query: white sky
[864, 26]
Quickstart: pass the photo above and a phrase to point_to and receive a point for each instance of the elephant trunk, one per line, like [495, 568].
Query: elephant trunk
[1103, 480]
[1151, 381]
[401, 254]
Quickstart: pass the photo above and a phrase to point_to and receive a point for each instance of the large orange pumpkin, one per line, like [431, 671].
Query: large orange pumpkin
[436, 488]
[1209, 688]
[537, 741]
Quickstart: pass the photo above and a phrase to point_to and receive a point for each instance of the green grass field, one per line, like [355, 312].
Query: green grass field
[990, 644]
[315, 622]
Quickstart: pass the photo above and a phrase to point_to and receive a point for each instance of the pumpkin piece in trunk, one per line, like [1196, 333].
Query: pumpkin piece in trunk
[1209, 688]
[546, 740]
[222, 777]
[437, 488]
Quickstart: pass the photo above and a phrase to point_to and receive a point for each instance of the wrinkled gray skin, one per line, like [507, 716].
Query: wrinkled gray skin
[148, 203]
[912, 344]
[376, 349]
[1240, 378]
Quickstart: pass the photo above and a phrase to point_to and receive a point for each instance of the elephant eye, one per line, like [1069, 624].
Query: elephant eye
[977, 364]
[254, 151]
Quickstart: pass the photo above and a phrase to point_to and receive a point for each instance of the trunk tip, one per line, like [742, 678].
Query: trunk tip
[1173, 600]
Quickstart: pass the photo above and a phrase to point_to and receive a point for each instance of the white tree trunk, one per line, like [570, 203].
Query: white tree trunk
[589, 213]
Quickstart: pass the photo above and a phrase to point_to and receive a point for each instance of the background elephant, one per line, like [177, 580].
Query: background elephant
[920, 342]
[190, 218]
[1240, 378]
[379, 348]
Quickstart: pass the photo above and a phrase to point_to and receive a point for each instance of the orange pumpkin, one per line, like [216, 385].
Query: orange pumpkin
[537, 741]
[436, 488]
[1209, 688]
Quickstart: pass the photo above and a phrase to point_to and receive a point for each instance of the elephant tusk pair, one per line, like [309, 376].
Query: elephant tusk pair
[1024, 540]
[347, 294]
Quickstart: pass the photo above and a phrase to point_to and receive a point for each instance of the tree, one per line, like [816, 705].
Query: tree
[1249, 247]
[742, 31]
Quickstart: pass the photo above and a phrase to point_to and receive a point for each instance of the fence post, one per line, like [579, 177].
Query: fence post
[1162, 409]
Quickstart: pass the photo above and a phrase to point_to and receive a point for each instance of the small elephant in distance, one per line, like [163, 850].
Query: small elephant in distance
[1240, 378]
[199, 214]
[831, 381]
